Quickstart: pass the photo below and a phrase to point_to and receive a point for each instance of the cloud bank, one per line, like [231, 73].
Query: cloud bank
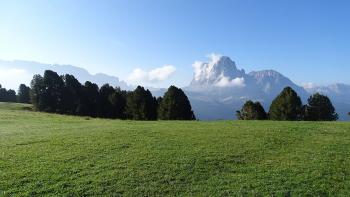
[226, 82]
[153, 76]
[203, 69]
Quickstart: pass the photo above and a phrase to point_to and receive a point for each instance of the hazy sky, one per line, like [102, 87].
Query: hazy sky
[157, 41]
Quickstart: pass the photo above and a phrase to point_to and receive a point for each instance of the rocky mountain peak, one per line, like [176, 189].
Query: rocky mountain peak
[209, 73]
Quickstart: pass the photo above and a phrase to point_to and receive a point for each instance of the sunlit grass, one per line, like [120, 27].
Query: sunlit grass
[48, 154]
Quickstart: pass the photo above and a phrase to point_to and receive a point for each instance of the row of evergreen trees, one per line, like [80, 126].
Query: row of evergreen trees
[7, 95]
[288, 106]
[65, 95]
[10, 95]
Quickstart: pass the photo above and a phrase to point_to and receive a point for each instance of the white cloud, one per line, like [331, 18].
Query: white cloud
[11, 78]
[226, 82]
[162, 73]
[152, 76]
[198, 69]
[202, 70]
[214, 57]
[309, 85]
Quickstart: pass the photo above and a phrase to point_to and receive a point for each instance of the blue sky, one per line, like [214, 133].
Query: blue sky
[308, 41]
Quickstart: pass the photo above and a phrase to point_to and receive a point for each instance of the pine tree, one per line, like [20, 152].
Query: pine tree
[105, 107]
[7, 95]
[36, 92]
[320, 108]
[118, 102]
[141, 105]
[72, 94]
[175, 106]
[52, 92]
[252, 111]
[24, 94]
[286, 106]
[89, 100]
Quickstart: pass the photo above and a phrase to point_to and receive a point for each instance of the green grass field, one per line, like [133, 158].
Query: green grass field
[48, 154]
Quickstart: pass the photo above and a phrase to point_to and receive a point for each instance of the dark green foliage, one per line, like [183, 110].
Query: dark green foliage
[105, 107]
[71, 94]
[287, 106]
[118, 102]
[141, 105]
[175, 105]
[52, 92]
[7, 95]
[252, 111]
[320, 108]
[89, 100]
[36, 92]
[23, 94]
[159, 101]
[65, 94]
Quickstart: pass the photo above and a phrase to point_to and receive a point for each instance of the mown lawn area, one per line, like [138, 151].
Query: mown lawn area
[49, 154]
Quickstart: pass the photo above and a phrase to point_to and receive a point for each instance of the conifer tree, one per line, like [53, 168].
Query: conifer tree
[286, 106]
[118, 102]
[175, 106]
[72, 94]
[320, 108]
[24, 94]
[105, 107]
[141, 105]
[36, 92]
[7, 95]
[52, 92]
[252, 111]
[89, 100]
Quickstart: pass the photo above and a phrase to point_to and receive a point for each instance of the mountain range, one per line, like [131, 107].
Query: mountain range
[26, 70]
[217, 90]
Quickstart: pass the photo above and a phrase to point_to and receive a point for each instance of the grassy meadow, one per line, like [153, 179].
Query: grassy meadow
[48, 154]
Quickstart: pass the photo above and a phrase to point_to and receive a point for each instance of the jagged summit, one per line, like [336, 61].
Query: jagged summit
[217, 69]
[265, 73]
[225, 62]
[218, 85]
[269, 76]
[222, 72]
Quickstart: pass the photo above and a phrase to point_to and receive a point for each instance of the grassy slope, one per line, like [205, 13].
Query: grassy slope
[44, 154]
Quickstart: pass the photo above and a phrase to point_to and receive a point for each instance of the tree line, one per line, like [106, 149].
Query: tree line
[11, 96]
[66, 95]
[288, 106]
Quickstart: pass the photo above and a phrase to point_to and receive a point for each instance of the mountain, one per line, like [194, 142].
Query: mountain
[23, 72]
[219, 88]
[218, 73]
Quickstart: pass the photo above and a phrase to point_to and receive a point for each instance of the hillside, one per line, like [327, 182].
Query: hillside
[48, 154]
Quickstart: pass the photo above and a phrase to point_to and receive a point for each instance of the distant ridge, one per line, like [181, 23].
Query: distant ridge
[82, 75]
